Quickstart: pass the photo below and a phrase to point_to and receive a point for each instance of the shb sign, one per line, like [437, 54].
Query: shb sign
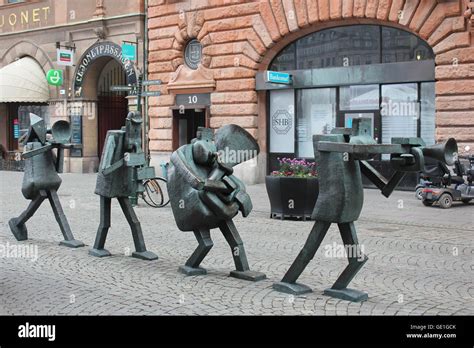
[282, 122]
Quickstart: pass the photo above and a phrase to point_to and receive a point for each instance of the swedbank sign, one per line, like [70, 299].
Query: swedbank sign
[99, 50]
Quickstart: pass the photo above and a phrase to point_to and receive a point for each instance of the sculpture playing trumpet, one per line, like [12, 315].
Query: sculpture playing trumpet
[41, 179]
[341, 158]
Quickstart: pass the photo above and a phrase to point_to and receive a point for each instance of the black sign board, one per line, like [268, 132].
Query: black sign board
[193, 99]
[76, 137]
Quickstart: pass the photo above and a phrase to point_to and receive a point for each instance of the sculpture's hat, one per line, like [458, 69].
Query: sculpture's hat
[135, 117]
[37, 129]
[238, 144]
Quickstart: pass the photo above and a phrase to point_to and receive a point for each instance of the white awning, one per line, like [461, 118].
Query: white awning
[23, 81]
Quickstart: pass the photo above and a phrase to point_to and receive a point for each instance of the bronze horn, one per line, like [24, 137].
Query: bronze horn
[445, 152]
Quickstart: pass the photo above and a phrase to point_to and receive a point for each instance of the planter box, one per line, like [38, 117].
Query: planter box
[292, 197]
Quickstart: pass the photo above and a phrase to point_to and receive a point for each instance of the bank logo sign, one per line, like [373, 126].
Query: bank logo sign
[282, 122]
[278, 77]
[65, 57]
[55, 77]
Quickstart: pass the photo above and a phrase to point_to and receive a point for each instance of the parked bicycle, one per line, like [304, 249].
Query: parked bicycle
[156, 193]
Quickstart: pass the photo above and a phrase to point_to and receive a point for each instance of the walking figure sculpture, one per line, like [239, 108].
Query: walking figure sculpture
[341, 158]
[41, 179]
[205, 195]
[121, 173]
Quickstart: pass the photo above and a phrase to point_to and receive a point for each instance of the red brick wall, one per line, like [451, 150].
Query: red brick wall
[242, 37]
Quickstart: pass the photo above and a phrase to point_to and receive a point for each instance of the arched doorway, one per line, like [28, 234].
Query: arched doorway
[100, 67]
[112, 107]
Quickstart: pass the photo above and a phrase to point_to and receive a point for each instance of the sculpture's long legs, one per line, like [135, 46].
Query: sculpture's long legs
[191, 266]
[356, 257]
[288, 283]
[17, 225]
[69, 240]
[238, 253]
[139, 241]
[356, 261]
[105, 211]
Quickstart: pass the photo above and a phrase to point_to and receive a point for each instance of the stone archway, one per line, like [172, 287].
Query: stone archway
[100, 51]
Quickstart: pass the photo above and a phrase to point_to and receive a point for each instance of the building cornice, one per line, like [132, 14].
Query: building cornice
[68, 25]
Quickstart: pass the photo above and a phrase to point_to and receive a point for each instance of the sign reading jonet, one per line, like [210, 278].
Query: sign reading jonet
[25, 17]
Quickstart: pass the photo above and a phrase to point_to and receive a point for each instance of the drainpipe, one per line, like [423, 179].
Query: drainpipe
[145, 77]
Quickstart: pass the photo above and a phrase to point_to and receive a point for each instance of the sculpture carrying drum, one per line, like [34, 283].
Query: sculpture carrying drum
[341, 159]
[205, 194]
[41, 180]
[121, 173]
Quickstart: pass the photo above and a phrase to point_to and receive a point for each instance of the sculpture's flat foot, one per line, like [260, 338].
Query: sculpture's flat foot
[248, 275]
[292, 288]
[145, 255]
[72, 243]
[99, 252]
[191, 271]
[19, 231]
[347, 294]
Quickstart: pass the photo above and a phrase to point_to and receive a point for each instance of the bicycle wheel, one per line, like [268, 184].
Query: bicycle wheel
[156, 194]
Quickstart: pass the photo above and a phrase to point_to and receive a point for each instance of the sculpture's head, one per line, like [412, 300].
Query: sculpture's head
[204, 149]
[133, 131]
[37, 131]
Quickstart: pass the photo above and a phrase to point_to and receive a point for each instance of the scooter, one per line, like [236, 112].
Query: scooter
[454, 187]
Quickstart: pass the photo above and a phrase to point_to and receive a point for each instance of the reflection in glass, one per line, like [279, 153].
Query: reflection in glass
[24, 116]
[351, 46]
[427, 100]
[399, 110]
[337, 47]
[402, 46]
[285, 60]
[359, 97]
[316, 115]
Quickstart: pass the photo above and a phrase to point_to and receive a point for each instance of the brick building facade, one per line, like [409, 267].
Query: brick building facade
[242, 39]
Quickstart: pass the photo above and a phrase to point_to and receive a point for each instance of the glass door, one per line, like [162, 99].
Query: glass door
[350, 116]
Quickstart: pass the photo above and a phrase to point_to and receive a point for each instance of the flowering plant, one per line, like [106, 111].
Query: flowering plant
[299, 168]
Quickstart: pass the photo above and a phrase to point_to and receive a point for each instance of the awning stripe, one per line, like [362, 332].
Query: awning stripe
[23, 81]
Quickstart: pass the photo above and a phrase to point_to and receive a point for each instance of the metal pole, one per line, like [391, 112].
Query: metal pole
[146, 147]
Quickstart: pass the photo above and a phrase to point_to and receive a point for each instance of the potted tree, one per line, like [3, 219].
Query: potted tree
[293, 189]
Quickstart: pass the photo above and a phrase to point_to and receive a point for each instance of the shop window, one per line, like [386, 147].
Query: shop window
[427, 117]
[359, 97]
[401, 46]
[316, 114]
[338, 47]
[399, 111]
[286, 60]
[24, 116]
[282, 121]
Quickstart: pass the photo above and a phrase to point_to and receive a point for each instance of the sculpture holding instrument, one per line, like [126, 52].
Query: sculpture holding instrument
[122, 170]
[41, 180]
[341, 159]
[205, 194]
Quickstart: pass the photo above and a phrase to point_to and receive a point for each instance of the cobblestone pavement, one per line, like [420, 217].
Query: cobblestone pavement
[420, 261]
